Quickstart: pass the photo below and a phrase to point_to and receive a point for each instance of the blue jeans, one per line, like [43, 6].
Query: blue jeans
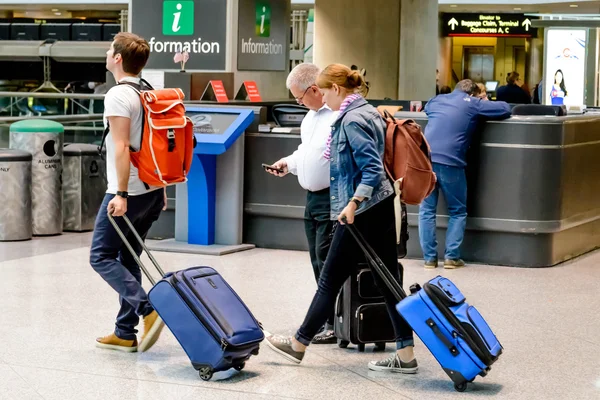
[452, 181]
[378, 226]
[114, 263]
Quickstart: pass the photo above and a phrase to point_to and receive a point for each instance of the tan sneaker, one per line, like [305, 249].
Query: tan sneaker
[153, 325]
[112, 342]
[453, 264]
[431, 264]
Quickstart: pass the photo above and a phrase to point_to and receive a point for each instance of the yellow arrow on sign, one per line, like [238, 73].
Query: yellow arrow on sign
[453, 22]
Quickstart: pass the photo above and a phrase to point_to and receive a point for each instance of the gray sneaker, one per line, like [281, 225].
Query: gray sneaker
[453, 264]
[431, 264]
[394, 364]
[283, 346]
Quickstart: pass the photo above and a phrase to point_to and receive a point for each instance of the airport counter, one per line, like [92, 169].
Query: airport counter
[533, 193]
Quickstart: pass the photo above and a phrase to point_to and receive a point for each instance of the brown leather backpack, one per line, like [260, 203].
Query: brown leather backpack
[407, 160]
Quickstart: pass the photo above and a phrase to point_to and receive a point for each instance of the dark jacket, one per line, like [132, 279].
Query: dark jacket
[513, 94]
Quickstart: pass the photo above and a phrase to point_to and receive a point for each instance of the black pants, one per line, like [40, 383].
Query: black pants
[318, 225]
[378, 227]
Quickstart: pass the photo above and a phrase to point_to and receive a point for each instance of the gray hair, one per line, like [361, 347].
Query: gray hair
[467, 86]
[304, 76]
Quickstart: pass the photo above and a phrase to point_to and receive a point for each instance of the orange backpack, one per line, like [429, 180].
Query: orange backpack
[166, 150]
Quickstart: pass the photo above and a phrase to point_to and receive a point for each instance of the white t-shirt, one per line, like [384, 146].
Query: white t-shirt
[124, 101]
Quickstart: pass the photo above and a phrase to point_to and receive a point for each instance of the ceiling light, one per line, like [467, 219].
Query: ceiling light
[57, 13]
[517, 8]
[54, 9]
[573, 5]
[453, 6]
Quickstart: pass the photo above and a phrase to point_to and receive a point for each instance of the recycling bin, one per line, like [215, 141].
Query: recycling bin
[43, 139]
[84, 186]
[15, 195]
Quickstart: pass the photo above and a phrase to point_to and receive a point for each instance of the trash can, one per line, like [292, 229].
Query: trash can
[84, 186]
[44, 140]
[15, 195]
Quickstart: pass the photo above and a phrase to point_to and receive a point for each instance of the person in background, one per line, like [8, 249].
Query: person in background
[126, 194]
[513, 92]
[437, 82]
[452, 120]
[312, 169]
[482, 91]
[361, 194]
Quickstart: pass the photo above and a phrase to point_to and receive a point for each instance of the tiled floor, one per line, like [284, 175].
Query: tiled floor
[53, 305]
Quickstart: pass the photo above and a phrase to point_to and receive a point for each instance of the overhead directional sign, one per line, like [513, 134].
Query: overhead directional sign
[510, 25]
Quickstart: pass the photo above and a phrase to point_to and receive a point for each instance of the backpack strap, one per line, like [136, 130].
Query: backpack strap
[138, 87]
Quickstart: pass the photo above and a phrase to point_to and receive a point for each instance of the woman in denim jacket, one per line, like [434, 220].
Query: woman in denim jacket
[362, 194]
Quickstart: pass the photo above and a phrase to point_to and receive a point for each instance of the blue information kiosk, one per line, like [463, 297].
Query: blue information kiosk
[209, 207]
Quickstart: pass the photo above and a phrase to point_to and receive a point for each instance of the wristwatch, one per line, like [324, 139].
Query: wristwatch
[123, 194]
[356, 201]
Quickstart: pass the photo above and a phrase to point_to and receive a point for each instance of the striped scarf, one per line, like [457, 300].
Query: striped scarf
[349, 99]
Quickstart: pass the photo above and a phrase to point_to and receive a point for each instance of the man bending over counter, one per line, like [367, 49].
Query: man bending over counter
[453, 118]
[312, 169]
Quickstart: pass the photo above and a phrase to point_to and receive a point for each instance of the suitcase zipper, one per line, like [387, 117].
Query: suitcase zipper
[477, 329]
[222, 341]
[459, 331]
[225, 327]
[214, 334]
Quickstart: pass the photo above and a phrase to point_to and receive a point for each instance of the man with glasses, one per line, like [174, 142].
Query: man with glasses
[312, 170]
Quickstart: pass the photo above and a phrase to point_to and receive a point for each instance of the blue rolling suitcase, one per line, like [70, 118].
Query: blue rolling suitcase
[454, 332]
[210, 321]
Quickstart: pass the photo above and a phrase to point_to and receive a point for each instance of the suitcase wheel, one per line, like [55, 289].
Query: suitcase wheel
[380, 346]
[460, 387]
[206, 373]
[240, 367]
[361, 348]
[343, 344]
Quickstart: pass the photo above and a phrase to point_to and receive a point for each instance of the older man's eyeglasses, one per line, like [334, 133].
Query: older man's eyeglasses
[299, 99]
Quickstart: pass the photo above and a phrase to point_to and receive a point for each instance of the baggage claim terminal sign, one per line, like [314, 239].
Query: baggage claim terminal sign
[170, 26]
[491, 25]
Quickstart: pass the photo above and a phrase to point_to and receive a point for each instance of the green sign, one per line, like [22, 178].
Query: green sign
[178, 18]
[263, 18]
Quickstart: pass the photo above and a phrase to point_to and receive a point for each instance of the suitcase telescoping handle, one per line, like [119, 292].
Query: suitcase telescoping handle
[141, 242]
[376, 264]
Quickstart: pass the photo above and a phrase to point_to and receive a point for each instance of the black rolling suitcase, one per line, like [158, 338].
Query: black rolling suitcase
[361, 316]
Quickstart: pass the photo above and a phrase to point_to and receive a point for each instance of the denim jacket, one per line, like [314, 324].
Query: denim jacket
[358, 141]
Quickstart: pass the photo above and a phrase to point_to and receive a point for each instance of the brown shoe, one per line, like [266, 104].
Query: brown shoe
[112, 342]
[432, 264]
[453, 264]
[153, 325]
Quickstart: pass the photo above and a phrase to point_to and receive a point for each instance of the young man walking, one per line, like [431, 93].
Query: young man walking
[312, 169]
[126, 195]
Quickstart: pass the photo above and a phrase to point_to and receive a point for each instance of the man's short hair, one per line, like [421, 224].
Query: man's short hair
[134, 50]
[468, 86]
[512, 77]
[304, 76]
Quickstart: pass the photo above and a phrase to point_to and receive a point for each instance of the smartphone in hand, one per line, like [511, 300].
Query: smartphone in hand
[271, 168]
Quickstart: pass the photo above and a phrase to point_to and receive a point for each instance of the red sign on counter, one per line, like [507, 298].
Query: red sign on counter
[219, 90]
[249, 91]
[215, 91]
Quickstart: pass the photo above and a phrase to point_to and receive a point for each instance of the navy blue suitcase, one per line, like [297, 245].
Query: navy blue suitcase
[210, 321]
[453, 331]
